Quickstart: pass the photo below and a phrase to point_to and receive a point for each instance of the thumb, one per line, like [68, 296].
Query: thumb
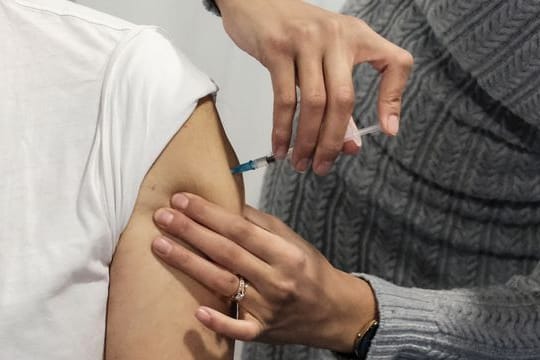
[267, 222]
[393, 80]
[259, 218]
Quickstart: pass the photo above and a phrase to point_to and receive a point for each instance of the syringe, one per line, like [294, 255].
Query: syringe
[264, 161]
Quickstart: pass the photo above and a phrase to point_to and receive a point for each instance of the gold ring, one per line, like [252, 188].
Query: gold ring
[241, 292]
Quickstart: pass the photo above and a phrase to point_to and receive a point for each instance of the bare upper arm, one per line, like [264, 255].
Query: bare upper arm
[151, 306]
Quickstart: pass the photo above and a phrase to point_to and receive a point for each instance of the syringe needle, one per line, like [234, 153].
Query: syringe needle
[266, 160]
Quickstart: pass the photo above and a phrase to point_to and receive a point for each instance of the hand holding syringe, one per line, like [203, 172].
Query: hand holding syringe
[264, 161]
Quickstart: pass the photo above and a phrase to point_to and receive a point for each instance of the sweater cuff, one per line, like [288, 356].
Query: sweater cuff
[407, 323]
[211, 6]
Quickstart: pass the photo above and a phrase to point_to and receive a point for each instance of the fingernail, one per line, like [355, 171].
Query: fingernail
[164, 217]
[393, 124]
[302, 165]
[180, 201]
[202, 315]
[323, 168]
[162, 246]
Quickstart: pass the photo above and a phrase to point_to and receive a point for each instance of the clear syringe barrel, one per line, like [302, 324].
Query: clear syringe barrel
[355, 134]
[369, 130]
[260, 162]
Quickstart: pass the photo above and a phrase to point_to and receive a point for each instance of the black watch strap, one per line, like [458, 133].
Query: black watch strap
[363, 341]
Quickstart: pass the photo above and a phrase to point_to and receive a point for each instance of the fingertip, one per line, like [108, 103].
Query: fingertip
[391, 124]
[163, 217]
[180, 201]
[323, 168]
[161, 246]
[302, 165]
[203, 315]
[351, 148]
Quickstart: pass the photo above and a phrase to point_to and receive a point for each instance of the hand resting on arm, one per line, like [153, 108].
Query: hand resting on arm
[292, 288]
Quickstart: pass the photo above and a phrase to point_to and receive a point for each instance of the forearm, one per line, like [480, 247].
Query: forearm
[498, 322]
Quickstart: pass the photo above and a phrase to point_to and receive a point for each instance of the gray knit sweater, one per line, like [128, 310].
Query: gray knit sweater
[445, 218]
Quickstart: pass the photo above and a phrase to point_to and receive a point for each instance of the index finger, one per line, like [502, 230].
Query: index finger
[254, 239]
[282, 73]
[338, 77]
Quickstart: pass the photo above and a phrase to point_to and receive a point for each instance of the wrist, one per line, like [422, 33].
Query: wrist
[356, 311]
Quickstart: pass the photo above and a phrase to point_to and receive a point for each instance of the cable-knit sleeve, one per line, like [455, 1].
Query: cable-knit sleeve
[211, 6]
[498, 322]
[498, 43]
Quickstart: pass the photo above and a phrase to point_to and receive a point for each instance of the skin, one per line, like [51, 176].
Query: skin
[151, 305]
[286, 276]
[303, 45]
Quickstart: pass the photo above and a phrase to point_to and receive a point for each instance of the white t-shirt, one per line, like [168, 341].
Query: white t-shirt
[87, 103]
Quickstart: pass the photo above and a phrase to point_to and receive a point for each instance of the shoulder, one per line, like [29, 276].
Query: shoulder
[148, 55]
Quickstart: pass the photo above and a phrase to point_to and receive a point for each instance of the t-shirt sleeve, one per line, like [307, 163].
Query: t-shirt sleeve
[150, 90]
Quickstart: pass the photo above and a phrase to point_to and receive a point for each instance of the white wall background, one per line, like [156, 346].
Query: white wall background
[245, 98]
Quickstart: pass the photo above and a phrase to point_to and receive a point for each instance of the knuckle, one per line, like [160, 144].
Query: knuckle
[231, 281]
[277, 42]
[307, 31]
[357, 22]
[392, 98]
[405, 59]
[298, 260]
[285, 100]
[280, 135]
[183, 225]
[316, 99]
[181, 258]
[333, 26]
[241, 229]
[227, 256]
[225, 285]
[285, 291]
[344, 97]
